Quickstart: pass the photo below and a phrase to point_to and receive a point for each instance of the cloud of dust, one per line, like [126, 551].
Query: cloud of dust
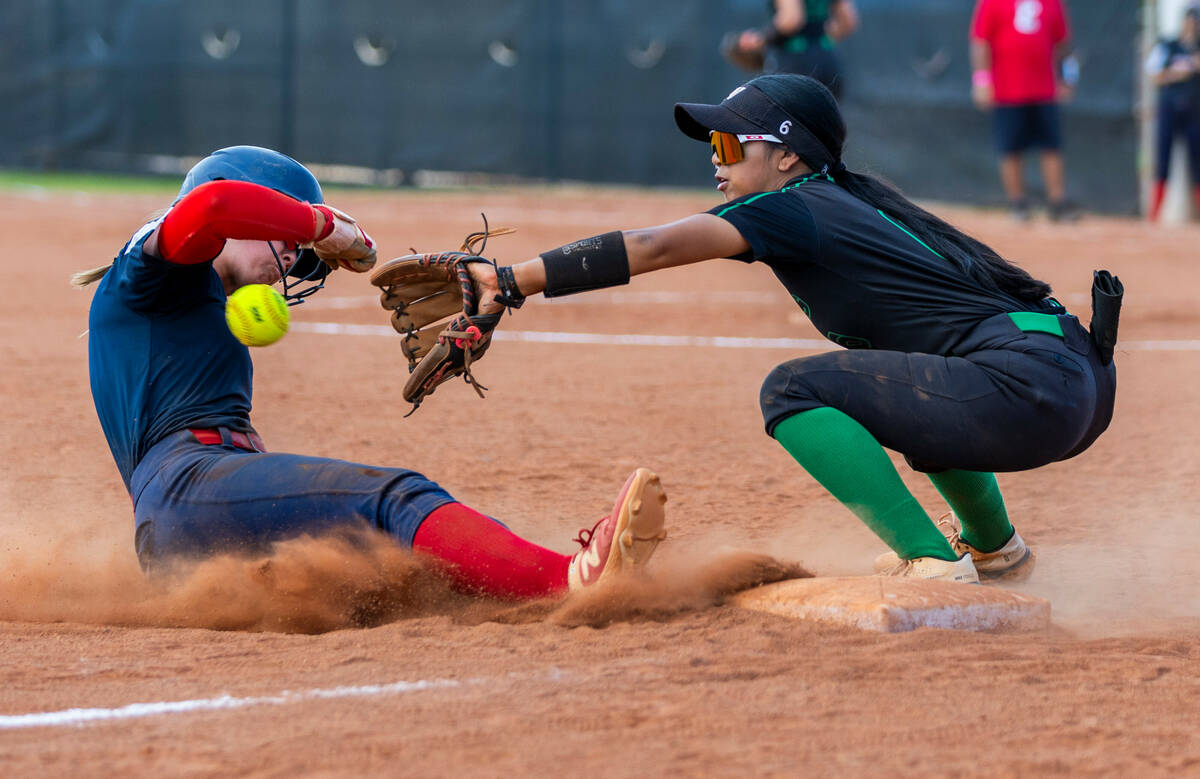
[670, 587]
[837, 545]
[352, 579]
[307, 585]
[1136, 577]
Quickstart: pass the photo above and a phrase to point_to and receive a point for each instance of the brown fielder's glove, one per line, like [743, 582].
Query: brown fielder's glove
[423, 290]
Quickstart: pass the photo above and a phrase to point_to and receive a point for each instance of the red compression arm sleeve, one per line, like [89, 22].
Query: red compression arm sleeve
[195, 229]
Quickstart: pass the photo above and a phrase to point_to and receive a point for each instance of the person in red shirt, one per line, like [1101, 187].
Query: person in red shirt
[1017, 49]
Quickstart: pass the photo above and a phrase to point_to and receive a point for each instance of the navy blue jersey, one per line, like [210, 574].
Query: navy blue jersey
[863, 278]
[161, 356]
[1180, 95]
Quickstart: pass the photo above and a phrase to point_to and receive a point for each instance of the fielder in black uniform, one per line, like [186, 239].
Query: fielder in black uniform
[954, 357]
[801, 38]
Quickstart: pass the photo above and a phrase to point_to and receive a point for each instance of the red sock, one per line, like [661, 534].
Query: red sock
[1156, 199]
[483, 556]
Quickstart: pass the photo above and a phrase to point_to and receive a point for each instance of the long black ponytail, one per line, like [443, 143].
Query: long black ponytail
[809, 102]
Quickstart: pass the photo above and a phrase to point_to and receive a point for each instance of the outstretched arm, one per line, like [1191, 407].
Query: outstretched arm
[196, 228]
[693, 239]
[422, 290]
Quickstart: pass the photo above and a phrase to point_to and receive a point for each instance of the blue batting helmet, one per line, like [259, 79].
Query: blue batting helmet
[267, 168]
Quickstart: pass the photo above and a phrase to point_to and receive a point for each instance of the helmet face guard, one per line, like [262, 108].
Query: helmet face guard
[305, 277]
[269, 168]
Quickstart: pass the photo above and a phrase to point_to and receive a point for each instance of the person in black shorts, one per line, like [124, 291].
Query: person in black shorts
[1174, 64]
[1027, 126]
[953, 356]
[1021, 71]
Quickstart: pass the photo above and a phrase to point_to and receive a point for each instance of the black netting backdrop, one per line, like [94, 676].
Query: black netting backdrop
[545, 89]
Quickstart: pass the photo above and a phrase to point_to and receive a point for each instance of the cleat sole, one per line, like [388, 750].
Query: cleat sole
[644, 524]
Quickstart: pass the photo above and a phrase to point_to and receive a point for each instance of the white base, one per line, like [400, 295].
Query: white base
[894, 605]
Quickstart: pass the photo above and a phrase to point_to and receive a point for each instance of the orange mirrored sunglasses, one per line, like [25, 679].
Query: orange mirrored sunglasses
[728, 146]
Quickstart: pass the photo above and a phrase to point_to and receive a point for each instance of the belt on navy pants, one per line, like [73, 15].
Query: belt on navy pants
[223, 435]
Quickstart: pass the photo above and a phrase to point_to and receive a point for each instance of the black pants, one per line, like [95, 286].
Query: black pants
[816, 61]
[1012, 401]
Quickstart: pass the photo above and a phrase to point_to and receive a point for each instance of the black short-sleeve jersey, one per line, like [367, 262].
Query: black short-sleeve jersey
[865, 280]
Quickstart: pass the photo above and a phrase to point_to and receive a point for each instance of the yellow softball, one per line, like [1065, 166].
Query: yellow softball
[257, 315]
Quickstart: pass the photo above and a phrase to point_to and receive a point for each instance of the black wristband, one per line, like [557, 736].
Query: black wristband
[593, 263]
[510, 295]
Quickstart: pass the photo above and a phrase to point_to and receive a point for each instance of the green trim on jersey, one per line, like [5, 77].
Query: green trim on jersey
[849, 341]
[803, 306]
[908, 232]
[751, 199]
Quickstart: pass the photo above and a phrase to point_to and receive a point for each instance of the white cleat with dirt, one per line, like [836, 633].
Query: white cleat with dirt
[623, 541]
[1013, 561]
[960, 570]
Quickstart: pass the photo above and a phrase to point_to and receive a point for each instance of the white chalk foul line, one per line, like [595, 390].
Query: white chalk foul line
[711, 342]
[604, 339]
[1161, 346]
[633, 339]
[627, 297]
[606, 298]
[221, 703]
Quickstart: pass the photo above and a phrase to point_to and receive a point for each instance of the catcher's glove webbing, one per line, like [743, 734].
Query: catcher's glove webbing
[422, 291]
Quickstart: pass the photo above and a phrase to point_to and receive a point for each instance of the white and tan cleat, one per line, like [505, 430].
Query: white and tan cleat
[960, 570]
[624, 540]
[1013, 561]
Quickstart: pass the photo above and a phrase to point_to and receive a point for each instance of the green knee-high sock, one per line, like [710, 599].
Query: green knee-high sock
[847, 460]
[976, 500]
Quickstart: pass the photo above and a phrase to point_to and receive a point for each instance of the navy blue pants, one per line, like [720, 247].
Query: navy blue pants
[1012, 401]
[1176, 118]
[194, 500]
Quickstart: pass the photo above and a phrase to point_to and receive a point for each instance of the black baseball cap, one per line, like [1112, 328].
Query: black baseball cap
[749, 111]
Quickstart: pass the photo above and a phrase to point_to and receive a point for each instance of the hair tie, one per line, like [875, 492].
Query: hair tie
[838, 168]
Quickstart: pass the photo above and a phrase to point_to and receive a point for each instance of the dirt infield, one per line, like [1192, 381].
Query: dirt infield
[331, 662]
